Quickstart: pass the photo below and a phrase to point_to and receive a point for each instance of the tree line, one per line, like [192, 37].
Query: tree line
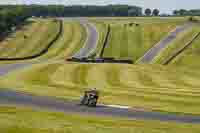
[78, 10]
[183, 12]
[12, 15]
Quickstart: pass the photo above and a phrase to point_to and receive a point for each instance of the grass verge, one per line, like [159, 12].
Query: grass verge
[18, 120]
[30, 39]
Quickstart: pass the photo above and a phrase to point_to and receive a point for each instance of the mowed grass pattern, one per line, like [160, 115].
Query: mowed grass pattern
[26, 120]
[189, 57]
[70, 41]
[181, 40]
[132, 42]
[30, 40]
[151, 87]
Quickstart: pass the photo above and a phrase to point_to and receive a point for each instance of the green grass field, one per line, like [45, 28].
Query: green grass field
[131, 42]
[189, 58]
[71, 40]
[151, 87]
[26, 120]
[38, 35]
[169, 89]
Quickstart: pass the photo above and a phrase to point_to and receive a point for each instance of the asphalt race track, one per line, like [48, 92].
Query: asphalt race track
[91, 41]
[154, 51]
[60, 105]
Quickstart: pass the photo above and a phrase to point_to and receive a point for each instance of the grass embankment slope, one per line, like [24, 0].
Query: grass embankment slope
[181, 40]
[18, 120]
[131, 42]
[30, 40]
[152, 87]
[190, 57]
[147, 86]
[70, 41]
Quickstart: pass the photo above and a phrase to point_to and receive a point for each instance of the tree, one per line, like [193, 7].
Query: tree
[182, 12]
[156, 12]
[148, 12]
[176, 12]
[134, 12]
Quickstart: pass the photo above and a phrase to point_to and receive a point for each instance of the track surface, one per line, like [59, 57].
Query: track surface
[4, 69]
[154, 51]
[16, 98]
[91, 41]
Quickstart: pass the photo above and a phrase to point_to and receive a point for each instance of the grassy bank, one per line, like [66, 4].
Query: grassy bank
[181, 40]
[133, 41]
[189, 58]
[71, 40]
[18, 120]
[147, 86]
[30, 39]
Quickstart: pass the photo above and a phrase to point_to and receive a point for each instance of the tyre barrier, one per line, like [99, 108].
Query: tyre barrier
[99, 60]
[41, 52]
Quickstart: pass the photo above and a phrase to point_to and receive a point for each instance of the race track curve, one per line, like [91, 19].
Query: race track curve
[155, 50]
[16, 98]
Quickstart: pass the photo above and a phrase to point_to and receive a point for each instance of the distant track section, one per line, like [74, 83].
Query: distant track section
[39, 52]
[154, 51]
[91, 41]
[178, 52]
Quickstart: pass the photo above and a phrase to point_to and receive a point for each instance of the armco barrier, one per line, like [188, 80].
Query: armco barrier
[41, 52]
[99, 60]
[181, 50]
[105, 42]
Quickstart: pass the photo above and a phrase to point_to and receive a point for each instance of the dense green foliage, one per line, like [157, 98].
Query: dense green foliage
[147, 12]
[11, 17]
[60, 10]
[155, 12]
[183, 12]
